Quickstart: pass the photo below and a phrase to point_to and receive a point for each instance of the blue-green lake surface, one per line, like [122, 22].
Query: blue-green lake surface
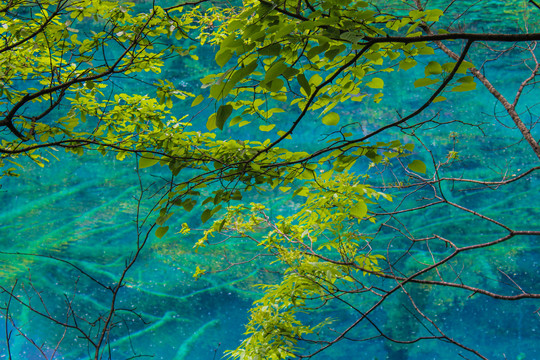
[68, 228]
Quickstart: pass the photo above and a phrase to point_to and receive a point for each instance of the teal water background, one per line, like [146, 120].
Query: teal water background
[81, 210]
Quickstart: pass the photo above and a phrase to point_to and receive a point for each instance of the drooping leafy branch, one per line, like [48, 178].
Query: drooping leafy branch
[317, 56]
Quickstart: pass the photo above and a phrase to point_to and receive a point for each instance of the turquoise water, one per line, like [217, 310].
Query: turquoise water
[68, 228]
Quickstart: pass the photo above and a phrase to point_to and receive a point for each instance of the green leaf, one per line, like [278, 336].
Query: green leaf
[211, 122]
[301, 192]
[290, 72]
[161, 231]
[426, 50]
[223, 113]
[425, 82]
[466, 83]
[433, 15]
[417, 166]
[237, 195]
[147, 160]
[448, 67]
[281, 133]
[331, 119]
[285, 29]
[359, 210]
[332, 53]
[220, 90]
[270, 50]
[274, 85]
[206, 215]
[376, 83]
[162, 219]
[223, 56]
[352, 36]
[409, 146]
[304, 84]
[439, 99]
[221, 224]
[198, 273]
[316, 79]
[407, 64]
[433, 68]
[197, 100]
[235, 120]
[317, 50]
[275, 70]
[244, 123]
[267, 127]
[188, 204]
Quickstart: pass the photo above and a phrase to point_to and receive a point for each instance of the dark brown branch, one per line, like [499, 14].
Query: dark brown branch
[39, 30]
[510, 108]
[8, 120]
